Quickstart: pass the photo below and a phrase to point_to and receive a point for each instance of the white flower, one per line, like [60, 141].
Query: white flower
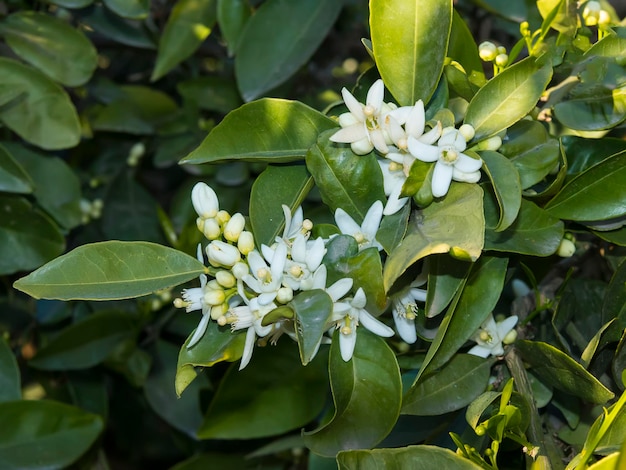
[266, 280]
[306, 257]
[294, 225]
[222, 254]
[204, 201]
[365, 234]
[490, 335]
[451, 163]
[349, 316]
[193, 299]
[362, 126]
[393, 181]
[404, 310]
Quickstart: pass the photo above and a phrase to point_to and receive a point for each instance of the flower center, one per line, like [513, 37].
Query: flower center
[403, 144]
[449, 155]
[264, 275]
[410, 311]
[346, 329]
[485, 336]
[369, 111]
[295, 271]
[360, 238]
[393, 166]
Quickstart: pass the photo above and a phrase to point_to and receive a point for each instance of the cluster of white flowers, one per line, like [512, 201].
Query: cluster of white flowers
[400, 137]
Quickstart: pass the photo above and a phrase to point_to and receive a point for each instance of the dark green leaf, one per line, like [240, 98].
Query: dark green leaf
[453, 387]
[507, 98]
[275, 186]
[614, 305]
[278, 39]
[111, 270]
[85, 343]
[313, 309]
[392, 228]
[583, 153]
[211, 93]
[9, 374]
[410, 40]
[50, 44]
[45, 434]
[127, 32]
[446, 276]
[345, 180]
[13, 178]
[188, 25]
[367, 395]
[134, 9]
[561, 371]
[506, 186]
[464, 50]
[232, 16]
[415, 457]
[44, 115]
[273, 395]
[275, 131]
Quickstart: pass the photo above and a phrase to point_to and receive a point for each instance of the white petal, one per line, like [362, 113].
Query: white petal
[506, 325]
[339, 288]
[256, 261]
[375, 95]
[268, 253]
[345, 223]
[199, 333]
[319, 278]
[394, 129]
[405, 327]
[315, 254]
[278, 261]
[350, 134]
[467, 164]
[359, 299]
[362, 147]
[442, 176]
[421, 151]
[432, 135]
[416, 121]
[473, 177]
[448, 137]
[346, 344]
[479, 351]
[401, 114]
[252, 283]
[490, 325]
[353, 105]
[347, 119]
[371, 222]
[395, 202]
[199, 254]
[298, 249]
[374, 325]
[378, 139]
[267, 298]
[419, 294]
[248, 348]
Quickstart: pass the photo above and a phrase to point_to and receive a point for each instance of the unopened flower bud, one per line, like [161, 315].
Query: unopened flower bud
[467, 131]
[501, 50]
[222, 254]
[240, 269]
[204, 201]
[566, 248]
[234, 227]
[222, 217]
[362, 147]
[225, 279]
[211, 229]
[492, 143]
[284, 295]
[502, 60]
[218, 311]
[245, 242]
[214, 297]
[604, 19]
[510, 337]
[487, 51]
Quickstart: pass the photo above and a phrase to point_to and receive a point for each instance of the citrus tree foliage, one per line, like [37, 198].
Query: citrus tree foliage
[312, 234]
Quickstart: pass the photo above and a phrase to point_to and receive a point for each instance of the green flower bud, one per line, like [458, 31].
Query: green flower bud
[245, 242]
[234, 227]
[225, 279]
[487, 51]
[566, 248]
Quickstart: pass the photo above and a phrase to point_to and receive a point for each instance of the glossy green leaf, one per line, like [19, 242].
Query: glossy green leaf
[223, 461]
[410, 40]
[9, 374]
[183, 413]
[561, 371]
[345, 180]
[417, 457]
[232, 16]
[50, 44]
[278, 39]
[462, 233]
[446, 276]
[276, 131]
[132, 362]
[313, 310]
[88, 389]
[212, 93]
[275, 186]
[476, 409]
[217, 344]
[367, 395]
[535, 232]
[45, 434]
[596, 194]
[62, 199]
[111, 270]
[531, 150]
[28, 237]
[393, 228]
[72, 3]
[85, 343]
[123, 31]
[189, 24]
[611, 45]
[453, 387]
[475, 303]
[45, 115]
[583, 153]
[464, 50]
[506, 186]
[507, 98]
[614, 305]
[13, 178]
[273, 395]
[134, 9]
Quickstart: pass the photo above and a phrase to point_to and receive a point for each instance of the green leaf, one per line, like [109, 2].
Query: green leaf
[50, 44]
[71, 3]
[535, 232]
[446, 276]
[596, 194]
[86, 343]
[410, 40]
[127, 32]
[507, 98]
[13, 178]
[9, 374]
[393, 228]
[475, 303]
[62, 199]
[614, 305]
[217, 344]
[189, 24]
[345, 180]
[273, 395]
[418, 457]
[45, 115]
[232, 16]
[367, 394]
[275, 131]
[313, 309]
[464, 50]
[28, 237]
[610, 45]
[275, 186]
[212, 93]
[531, 150]
[183, 413]
[583, 153]
[133, 9]
[45, 434]
[462, 233]
[506, 186]
[562, 372]
[278, 39]
[111, 270]
[453, 387]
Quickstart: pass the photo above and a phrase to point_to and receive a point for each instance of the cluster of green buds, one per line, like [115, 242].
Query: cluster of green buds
[497, 55]
[90, 210]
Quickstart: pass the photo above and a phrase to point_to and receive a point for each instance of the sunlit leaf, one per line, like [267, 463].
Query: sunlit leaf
[134, 9]
[506, 186]
[232, 16]
[446, 276]
[423, 456]
[313, 313]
